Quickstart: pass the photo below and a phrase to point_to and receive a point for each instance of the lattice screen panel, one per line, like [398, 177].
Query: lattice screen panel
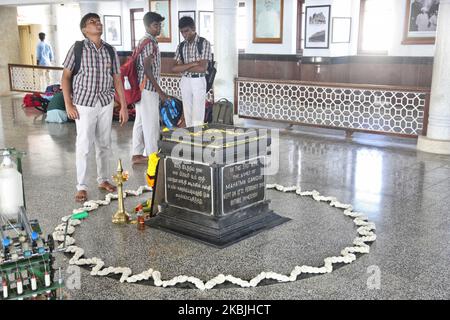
[399, 112]
[170, 84]
[27, 78]
[31, 79]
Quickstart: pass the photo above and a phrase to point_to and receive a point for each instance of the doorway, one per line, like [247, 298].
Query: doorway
[28, 35]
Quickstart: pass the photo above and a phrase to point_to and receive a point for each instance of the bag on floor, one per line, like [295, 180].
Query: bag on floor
[35, 100]
[56, 109]
[56, 116]
[57, 102]
[52, 89]
[222, 112]
[171, 112]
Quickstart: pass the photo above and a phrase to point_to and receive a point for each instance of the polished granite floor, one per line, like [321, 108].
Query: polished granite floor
[405, 192]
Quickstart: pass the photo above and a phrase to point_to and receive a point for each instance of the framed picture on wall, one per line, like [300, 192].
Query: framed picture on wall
[268, 21]
[317, 27]
[341, 29]
[206, 25]
[112, 30]
[420, 21]
[163, 8]
[182, 14]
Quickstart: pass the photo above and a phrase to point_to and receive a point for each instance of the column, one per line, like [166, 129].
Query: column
[438, 133]
[225, 48]
[9, 50]
[53, 26]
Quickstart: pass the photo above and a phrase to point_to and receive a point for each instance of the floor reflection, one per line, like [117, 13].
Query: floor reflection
[368, 177]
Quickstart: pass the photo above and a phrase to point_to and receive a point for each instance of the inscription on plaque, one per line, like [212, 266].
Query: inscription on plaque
[188, 185]
[243, 184]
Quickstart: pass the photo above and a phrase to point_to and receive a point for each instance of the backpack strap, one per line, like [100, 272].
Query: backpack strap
[200, 50]
[77, 50]
[111, 54]
[200, 45]
[137, 51]
[180, 49]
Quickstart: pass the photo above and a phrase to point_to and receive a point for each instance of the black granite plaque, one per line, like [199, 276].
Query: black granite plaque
[188, 185]
[242, 184]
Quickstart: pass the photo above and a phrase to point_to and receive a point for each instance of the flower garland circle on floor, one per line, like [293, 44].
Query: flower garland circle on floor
[365, 232]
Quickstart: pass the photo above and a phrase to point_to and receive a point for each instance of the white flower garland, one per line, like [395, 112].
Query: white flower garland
[365, 234]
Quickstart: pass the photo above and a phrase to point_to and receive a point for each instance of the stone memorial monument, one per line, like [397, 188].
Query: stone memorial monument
[214, 184]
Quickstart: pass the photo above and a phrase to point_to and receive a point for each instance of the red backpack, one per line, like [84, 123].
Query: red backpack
[35, 100]
[128, 74]
[30, 100]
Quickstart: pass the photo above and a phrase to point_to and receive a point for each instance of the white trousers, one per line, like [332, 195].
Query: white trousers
[146, 125]
[193, 93]
[93, 127]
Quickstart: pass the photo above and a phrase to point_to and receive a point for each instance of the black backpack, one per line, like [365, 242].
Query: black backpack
[210, 70]
[78, 51]
[222, 112]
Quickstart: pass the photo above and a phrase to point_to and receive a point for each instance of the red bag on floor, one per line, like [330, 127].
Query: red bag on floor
[35, 100]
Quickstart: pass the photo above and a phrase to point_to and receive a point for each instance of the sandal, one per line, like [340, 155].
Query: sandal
[81, 196]
[107, 186]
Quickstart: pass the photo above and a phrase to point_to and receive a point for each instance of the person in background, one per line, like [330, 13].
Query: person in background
[44, 57]
[44, 52]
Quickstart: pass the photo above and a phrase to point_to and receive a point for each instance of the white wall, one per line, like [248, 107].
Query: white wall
[113, 8]
[181, 5]
[126, 22]
[34, 14]
[67, 19]
[205, 5]
[350, 8]
[68, 29]
[339, 8]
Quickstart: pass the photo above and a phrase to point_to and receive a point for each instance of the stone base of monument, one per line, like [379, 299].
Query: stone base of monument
[219, 232]
[214, 184]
